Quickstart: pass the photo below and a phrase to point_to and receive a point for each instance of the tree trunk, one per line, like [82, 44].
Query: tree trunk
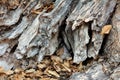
[32, 29]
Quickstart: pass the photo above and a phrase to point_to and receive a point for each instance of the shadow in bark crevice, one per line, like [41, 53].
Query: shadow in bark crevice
[105, 39]
[14, 48]
[90, 35]
[87, 61]
[63, 38]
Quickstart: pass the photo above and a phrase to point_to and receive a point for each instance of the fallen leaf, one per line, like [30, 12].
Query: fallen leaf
[53, 79]
[2, 71]
[35, 12]
[46, 61]
[38, 73]
[41, 66]
[45, 79]
[54, 73]
[20, 76]
[57, 68]
[80, 67]
[18, 70]
[28, 79]
[9, 72]
[67, 63]
[66, 68]
[30, 71]
[106, 29]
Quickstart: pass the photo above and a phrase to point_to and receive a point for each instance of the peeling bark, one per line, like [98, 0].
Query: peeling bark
[96, 12]
[25, 35]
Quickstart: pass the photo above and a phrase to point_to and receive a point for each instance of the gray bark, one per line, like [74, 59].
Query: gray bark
[112, 47]
[76, 24]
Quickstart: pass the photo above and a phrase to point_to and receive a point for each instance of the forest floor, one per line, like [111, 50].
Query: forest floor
[51, 68]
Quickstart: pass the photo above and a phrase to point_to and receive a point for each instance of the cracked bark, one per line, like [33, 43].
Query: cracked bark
[26, 35]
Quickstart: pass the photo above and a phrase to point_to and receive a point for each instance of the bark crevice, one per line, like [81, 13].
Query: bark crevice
[74, 24]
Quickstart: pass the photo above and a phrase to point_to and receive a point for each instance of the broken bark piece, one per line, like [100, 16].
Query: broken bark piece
[94, 14]
[81, 39]
[43, 32]
[12, 19]
[28, 35]
[95, 44]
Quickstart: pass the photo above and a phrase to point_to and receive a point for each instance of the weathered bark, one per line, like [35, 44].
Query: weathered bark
[112, 47]
[97, 13]
[76, 24]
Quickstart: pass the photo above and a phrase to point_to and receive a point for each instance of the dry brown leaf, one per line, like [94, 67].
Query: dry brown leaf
[67, 63]
[23, 74]
[46, 71]
[28, 79]
[74, 68]
[13, 3]
[3, 1]
[66, 68]
[31, 75]
[80, 67]
[3, 77]
[2, 71]
[45, 79]
[41, 66]
[46, 61]
[54, 73]
[18, 70]
[30, 71]
[35, 12]
[19, 76]
[57, 68]
[38, 73]
[53, 79]
[9, 72]
[106, 29]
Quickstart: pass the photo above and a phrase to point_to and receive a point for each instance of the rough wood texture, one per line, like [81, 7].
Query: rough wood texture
[98, 71]
[112, 47]
[94, 14]
[33, 34]
[26, 35]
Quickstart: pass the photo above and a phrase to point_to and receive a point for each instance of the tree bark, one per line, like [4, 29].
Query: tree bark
[32, 29]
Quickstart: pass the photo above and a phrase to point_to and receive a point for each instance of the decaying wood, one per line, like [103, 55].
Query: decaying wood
[32, 29]
[97, 13]
[98, 72]
[37, 35]
[112, 47]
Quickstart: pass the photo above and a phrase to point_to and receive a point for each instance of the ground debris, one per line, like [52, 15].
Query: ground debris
[50, 68]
